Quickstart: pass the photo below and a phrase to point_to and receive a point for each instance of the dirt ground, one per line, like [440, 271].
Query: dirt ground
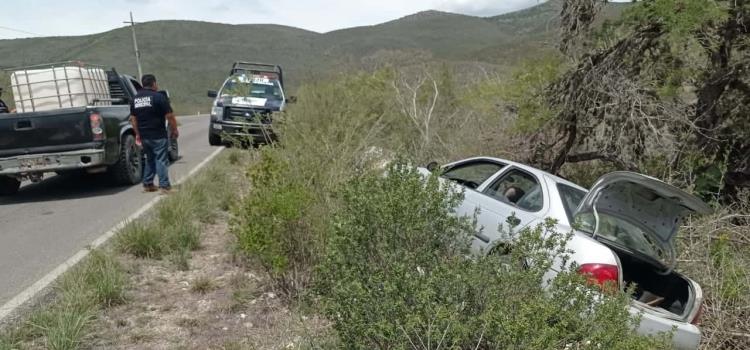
[219, 303]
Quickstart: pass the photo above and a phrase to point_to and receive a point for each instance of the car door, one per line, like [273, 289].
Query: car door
[507, 203]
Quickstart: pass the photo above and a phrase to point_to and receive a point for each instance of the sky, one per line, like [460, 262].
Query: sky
[32, 18]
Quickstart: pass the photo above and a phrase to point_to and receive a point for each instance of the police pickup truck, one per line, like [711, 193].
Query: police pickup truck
[244, 107]
[88, 139]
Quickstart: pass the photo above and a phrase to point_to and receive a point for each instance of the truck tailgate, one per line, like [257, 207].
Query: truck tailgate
[44, 132]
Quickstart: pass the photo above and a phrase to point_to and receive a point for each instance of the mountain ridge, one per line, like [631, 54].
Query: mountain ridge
[191, 57]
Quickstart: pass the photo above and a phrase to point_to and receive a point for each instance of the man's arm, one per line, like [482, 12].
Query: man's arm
[134, 123]
[172, 121]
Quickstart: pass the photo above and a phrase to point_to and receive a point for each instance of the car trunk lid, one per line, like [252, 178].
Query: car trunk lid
[638, 213]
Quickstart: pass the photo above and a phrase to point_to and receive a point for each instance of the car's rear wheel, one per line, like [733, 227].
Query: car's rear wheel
[214, 140]
[9, 185]
[128, 170]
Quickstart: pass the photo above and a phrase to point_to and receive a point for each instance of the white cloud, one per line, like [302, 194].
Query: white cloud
[485, 7]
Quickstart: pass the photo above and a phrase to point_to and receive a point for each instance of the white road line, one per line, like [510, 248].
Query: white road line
[42, 284]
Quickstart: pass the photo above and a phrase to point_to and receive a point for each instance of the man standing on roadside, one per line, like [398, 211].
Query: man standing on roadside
[149, 113]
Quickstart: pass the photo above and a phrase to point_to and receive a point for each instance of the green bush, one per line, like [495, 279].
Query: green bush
[398, 273]
[270, 224]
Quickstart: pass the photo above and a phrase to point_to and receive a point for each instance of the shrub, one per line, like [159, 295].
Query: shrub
[270, 224]
[398, 273]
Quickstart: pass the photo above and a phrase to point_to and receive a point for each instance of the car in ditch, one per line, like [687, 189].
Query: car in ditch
[624, 230]
[244, 108]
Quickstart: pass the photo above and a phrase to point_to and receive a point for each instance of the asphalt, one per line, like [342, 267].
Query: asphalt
[48, 222]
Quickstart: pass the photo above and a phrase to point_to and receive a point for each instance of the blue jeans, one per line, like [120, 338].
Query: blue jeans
[157, 162]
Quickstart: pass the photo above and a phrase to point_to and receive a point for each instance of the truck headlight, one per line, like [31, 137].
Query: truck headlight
[217, 113]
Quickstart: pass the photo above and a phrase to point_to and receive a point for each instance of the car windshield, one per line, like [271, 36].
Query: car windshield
[253, 86]
[624, 234]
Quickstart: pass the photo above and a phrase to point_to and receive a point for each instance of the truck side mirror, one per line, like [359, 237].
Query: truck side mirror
[212, 93]
[291, 99]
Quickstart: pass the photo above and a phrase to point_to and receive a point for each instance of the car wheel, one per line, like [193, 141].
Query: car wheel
[128, 170]
[214, 140]
[9, 185]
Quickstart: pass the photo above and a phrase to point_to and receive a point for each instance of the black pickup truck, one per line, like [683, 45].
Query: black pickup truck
[90, 139]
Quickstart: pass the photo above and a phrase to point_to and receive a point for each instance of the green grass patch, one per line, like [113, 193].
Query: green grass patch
[174, 228]
[99, 282]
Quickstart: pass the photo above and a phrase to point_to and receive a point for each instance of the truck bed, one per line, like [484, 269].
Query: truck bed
[45, 132]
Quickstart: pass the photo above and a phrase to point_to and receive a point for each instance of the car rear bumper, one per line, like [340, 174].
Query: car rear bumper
[685, 337]
[257, 131]
[50, 162]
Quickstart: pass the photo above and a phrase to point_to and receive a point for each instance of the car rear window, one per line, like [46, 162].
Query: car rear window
[571, 198]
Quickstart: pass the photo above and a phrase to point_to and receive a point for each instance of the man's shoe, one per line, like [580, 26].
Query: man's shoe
[150, 188]
[167, 190]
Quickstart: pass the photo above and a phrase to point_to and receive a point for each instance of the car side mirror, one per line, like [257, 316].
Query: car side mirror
[291, 99]
[213, 93]
[432, 166]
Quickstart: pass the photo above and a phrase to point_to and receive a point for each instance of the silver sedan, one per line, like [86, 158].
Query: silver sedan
[627, 225]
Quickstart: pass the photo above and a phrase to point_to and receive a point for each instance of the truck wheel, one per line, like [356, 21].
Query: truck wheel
[9, 185]
[128, 170]
[214, 140]
[174, 150]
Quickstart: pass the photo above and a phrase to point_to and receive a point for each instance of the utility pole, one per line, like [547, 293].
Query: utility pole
[135, 46]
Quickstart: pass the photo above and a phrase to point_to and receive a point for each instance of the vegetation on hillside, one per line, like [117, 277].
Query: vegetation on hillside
[350, 219]
[191, 57]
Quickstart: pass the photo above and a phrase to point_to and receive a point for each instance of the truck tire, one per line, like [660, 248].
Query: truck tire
[128, 170]
[214, 140]
[9, 185]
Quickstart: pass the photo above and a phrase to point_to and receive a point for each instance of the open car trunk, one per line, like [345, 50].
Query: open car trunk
[671, 293]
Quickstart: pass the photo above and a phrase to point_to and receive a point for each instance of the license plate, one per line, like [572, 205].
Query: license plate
[31, 163]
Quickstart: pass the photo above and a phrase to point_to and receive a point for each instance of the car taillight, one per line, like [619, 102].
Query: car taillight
[697, 319]
[601, 274]
[97, 127]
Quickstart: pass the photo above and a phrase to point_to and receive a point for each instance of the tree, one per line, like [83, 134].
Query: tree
[666, 83]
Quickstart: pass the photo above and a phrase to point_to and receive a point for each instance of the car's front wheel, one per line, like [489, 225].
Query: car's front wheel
[9, 185]
[214, 139]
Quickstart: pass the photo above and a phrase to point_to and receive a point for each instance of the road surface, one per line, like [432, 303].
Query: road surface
[48, 222]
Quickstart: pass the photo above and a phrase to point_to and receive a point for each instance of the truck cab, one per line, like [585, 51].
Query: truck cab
[245, 106]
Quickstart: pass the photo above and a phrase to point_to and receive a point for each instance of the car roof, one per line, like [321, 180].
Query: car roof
[530, 169]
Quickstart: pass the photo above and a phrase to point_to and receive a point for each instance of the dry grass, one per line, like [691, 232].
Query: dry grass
[219, 303]
[715, 251]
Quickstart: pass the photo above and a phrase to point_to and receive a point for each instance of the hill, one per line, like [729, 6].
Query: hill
[190, 57]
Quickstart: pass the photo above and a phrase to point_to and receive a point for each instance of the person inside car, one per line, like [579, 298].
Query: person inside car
[513, 194]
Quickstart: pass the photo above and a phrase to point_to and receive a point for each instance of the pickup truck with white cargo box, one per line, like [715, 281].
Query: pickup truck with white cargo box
[71, 117]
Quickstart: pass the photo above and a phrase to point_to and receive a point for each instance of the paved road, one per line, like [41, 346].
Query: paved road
[46, 223]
